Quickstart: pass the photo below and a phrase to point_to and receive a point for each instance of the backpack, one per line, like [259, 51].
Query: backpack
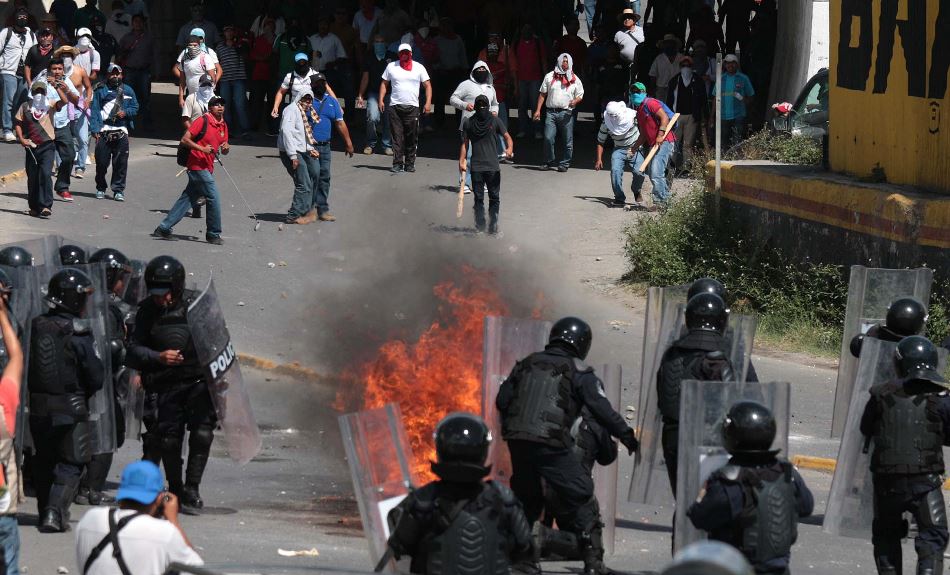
[183, 151]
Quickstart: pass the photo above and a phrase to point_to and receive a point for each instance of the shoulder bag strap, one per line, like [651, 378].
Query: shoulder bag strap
[113, 538]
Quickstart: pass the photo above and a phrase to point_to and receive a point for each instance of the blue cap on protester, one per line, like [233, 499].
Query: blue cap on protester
[301, 56]
[197, 32]
[141, 481]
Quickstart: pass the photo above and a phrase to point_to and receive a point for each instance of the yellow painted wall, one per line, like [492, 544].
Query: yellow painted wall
[903, 127]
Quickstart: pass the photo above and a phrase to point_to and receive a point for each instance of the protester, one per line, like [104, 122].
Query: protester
[65, 148]
[15, 44]
[365, 20]
[65, 12]
[737, 96]
[404, 79]
[113, 107]
[197, 21]
[294, 82]
[105, 43]
[620, 126]
[561, 92]
[78, 113]
[327, 47]
[686, 96]
[60, 34]
[146, 529]
[232, 84]
[653, 119]
[501, 66]
[289, 45]
[451, 68]
[665, 66]
[298, 153]
[530, 56]
[205, 139]
[135, 56]
[377, 123]
[192, 63]
[35, 132]
[89, 58]
[478, 84]
[479, 157]
[9, 402]
[629, 38]
[39, 56]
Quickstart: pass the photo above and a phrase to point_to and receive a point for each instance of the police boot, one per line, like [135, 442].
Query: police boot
[199, 448]
[171, 460]
[887, 565]
[592, 552]
[548, 542]
[82, 497]
[930, 565]
[55, 518]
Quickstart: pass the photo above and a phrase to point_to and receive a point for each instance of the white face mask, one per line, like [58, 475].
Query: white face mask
[84, 44]
[687, 73]
[205, 93]
[39, 105]
[67, 64]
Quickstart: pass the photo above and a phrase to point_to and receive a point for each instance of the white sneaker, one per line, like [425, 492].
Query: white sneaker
[88, 161]
[9, 137]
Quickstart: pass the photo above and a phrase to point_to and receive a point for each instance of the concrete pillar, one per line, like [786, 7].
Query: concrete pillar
[792, 50]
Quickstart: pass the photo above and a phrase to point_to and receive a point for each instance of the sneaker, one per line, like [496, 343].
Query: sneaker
[118, 196]
[562, 169]
[100, 194]
[388, 151]
[214, 240]
[196, 212]
[9, 137]
[396, 168]
[411, 168]
[506, 160]
[368, 150]
[160, 233]
[80, 173]
[65, 195]
[326, 217]
[545, 167]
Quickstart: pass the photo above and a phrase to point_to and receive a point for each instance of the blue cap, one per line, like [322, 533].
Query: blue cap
[141, 481]
[197, 32]
[301, 56]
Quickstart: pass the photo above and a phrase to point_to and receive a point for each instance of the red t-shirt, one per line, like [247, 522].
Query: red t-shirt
[648, 121]
[531, 56]
[9, 401]
[215, 135]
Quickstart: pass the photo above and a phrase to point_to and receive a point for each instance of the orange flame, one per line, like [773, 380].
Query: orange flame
[439, 373]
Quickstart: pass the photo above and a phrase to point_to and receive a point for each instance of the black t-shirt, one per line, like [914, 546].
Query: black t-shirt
[37, 61]
[375, 68]
[485, 149]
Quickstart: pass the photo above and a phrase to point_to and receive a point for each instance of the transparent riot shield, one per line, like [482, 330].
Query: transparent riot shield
[651, 484]
[134, 404]
[44, 249]
[703, 407]
[380, 458]
[135, 290]
[21, 306]
[507, 340]
[605, 478]
[851, 499]
[870, 291]
[216, 353]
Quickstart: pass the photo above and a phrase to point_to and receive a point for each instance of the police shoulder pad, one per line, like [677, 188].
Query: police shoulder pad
[506, 495]
[730, 472]
[81, 326]
[580, 366]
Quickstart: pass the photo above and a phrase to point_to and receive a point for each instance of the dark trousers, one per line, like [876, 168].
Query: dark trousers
[39, 183]
[97, 470]
[54, 478]
[141, 83]
[920, 495]
[493, 181]
[670, 439]
[562, 471]
[261, 96]
[168, 413]
[112, 148]
[404, 125]
[67, 157]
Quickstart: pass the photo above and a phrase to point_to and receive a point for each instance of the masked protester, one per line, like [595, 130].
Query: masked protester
[620, 125]
[403, 80]
[77, 112]
[686, 96]
[479, 83]
[193, 62]
[666, 65]
[58, 80]
[196, 106]
[113, 108]
[39, 56]
[294, 82]
[374, 64]
[479, 159]
[561, 92]
[104, 42]
[35, 132]
[653, 119]
[16, 41]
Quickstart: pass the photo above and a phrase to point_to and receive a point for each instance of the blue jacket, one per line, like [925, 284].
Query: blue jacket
[102, 96]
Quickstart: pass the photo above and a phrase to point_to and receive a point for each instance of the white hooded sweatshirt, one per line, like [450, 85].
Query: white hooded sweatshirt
[469, 89]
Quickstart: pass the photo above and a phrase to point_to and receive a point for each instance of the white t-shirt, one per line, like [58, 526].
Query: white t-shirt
[326, 49]
[628, 41]
[15, 51]
[88, 61]
[148, 545]
[664, 70]
[365, 25]
[294, 82]
[404, 84]
[193, 68]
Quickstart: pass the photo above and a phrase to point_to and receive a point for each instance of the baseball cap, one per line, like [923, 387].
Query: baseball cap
[141, 482]
[114, 67]
[301, 56]
[205, 80]
[731, 58]
[638, 86]
[405, 48]
[197, 32]
[215, 101]
[84, 32]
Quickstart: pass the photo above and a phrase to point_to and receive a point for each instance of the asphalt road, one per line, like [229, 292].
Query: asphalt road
[325, 295]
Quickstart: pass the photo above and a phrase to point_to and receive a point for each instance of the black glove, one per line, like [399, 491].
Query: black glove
[629, 440]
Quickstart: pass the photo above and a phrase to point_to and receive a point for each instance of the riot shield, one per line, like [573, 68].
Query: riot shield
[851, 499]
[380, 459]
[135, 290]
[507, 340]
[870, 291]
[21, 309]
[216, 353]
[650, 484]
[605, 478]
[44, 249]
[703, 407]
[134, 404]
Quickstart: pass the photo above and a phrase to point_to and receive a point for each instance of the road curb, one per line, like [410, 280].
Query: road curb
[12, 177]
[828, 465]
[293, 369]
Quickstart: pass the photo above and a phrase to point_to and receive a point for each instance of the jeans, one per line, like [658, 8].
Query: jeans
[559, 123]
[13, 88]
[503, 116]
[657, 169]
[234, 93]
[493, 181]
[39, 183]
[619, 162]
[528, 91]
[303, 176]
[80, 128]
[115, 152]
[373, 121]
[321, 183]
[141, 83]
[200, 183]
[66, 152]
[10, 539]
[590, 6]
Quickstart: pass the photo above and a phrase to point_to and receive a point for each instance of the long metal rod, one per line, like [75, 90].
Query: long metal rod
[718, 124]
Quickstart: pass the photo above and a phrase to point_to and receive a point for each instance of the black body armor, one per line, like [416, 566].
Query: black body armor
[909, 435]
[543, 407]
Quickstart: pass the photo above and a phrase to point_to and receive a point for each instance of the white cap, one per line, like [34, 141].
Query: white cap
[730, 58]
[83, 32]
[406, 47]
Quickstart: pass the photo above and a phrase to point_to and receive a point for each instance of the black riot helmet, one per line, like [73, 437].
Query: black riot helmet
[164, 274]
[117, 265]
[461, 447]
[68, 289]
[574, 332]
[749, 428]
[706, 285]
[15, 256]
[706, 311]
[906, 316]
[70, 255]
[916, 358]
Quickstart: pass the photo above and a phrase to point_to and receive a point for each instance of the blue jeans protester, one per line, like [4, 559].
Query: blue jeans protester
[234, 93]
[13, 88]
[200, 183]
[307, 171]
[619, 162]
[558, 123]
[657, 172]
[10, 540]
[377, 125]
[321, 185]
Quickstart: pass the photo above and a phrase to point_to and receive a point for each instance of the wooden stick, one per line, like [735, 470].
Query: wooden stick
[181, 172]
[461, 203]
[656, 147]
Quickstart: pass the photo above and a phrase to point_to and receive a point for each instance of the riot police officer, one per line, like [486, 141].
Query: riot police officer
[755, 501]
[64, 372]
[703, 354]
[117, 327]
[906, 316]
[70, 255]
[434, 525]
[908, 422]
[538, 403]
[177, 395]
[15, 256]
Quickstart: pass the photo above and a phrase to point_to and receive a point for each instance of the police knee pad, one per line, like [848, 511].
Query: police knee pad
[170, 443]
[201, 438]
[932, 512]
[587, 517]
